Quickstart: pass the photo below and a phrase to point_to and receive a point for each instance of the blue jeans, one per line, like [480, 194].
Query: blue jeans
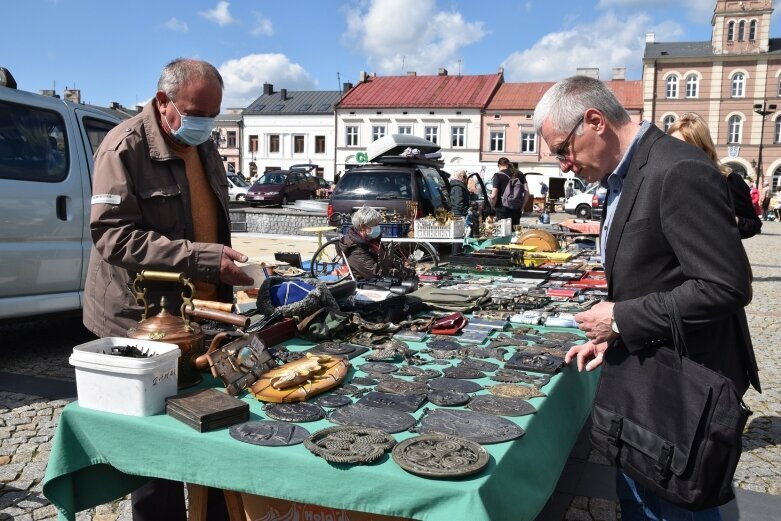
[638, 504]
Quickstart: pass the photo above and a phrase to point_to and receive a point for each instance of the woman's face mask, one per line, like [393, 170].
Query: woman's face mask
[375, 231]
[192, 130]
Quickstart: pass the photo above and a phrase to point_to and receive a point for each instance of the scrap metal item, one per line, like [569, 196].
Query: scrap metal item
[454, 384]
[476, 426]
[364, 381]
[378, 367]
[346, 390]
[402, 387]
[501, 405]
[349, 444]
[405, 403]
[387, 420]
[294, 412]
[539, 362]
[440, 456]
[269, 433]
[480, 365]
[333, 400]
[464, 372]
[445, 398]
[515, 391]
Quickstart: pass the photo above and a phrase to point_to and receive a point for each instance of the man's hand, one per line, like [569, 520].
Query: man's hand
[596, 323]
[229, 272]
[589, 355]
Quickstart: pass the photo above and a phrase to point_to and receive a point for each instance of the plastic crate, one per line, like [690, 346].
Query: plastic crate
[431, 229]
[503, 227]
[388, 229]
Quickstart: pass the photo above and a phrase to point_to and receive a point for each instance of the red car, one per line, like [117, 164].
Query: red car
[280, 187]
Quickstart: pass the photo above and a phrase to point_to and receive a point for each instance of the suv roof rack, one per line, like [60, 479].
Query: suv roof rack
[402, 160]
[395, 145]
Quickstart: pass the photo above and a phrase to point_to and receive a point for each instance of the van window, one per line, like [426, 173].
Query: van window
[373, 185]
[96, 131]
[439, 193]
[32, 144]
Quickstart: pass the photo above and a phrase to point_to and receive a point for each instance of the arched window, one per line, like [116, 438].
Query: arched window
[730, 31]
[752, 30]
[741, 30]
[779, 86]
[671, 90]
[667, 122]
[738, 84]
[692, 86]
[777, 133]
[734, 129]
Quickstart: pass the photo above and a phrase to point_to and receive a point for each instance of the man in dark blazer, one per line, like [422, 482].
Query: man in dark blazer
[668, 229]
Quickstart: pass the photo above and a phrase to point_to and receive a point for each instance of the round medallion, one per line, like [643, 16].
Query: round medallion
[462, 372]
[476, 426]
[349, 444]
[294, 412]
[444, 344]
[387, 420]
[269, 433]
[454, 384]
[501, 405]
[440, 456]
[345, 389]
[378, 367]
[333, 400]
[515, 391]
[445, 398]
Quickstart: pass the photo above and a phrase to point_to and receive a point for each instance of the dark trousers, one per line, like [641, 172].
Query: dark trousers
[163, 500]
[507, 213]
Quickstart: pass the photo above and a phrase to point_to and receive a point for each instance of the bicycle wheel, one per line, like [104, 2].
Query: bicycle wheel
[328, 261]
[420, 255]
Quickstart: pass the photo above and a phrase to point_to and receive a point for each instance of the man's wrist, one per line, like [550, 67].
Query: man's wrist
[613, 324]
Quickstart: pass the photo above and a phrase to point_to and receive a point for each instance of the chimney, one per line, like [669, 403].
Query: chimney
[48, 92]
[283, 94]
[268, 89]
[619, 73]
[346, 86]
[501, 71]
[412, 73]
[442, 72]
[362, 76]
[73, 95]
[650, 37]
[115, 105]
[591, 72]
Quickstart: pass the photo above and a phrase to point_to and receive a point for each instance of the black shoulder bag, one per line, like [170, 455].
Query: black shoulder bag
[671, 424]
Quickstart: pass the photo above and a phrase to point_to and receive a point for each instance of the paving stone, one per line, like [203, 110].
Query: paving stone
[44, 513]
[576, 514]
[10, 472]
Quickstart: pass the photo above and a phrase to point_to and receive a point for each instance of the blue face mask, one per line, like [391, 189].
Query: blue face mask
[193, 130]
[375, 231]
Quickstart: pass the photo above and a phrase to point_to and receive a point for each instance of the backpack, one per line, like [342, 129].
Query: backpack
[512, 197]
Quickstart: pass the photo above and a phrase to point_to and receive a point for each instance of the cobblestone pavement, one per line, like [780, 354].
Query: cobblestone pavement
[28, 422]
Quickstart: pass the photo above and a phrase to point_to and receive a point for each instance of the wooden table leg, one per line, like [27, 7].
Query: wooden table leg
[235, 505]
[196, 498]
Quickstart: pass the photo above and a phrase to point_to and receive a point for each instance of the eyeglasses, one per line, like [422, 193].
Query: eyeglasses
[562, 150]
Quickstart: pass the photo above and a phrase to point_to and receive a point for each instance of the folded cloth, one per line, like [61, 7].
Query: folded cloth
[449, 299]
[449, 324]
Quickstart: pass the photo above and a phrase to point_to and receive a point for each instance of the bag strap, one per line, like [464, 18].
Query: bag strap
[676, 325]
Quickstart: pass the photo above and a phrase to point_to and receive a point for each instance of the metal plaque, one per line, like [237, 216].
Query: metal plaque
[480, 365]
[476, 426]
[346, 390]
[540, 363]
[454, 384]
[514, 376]
[397, 386]
[444, 344]
[349, 444]
[440, 361]
[487, 352]
[294, 412]
[462, 372]
[363, 381]
[406, 403]
[440, 456]
[387, 420]
[378, 367]
[427, 375]
[515, 391]
[562, 336]
[333, 400]
[501, 405]
[445, 398]
[443, 354]
[334, 348]
[269, 433]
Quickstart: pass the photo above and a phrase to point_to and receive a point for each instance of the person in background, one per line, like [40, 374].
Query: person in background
[754, 193]
[776, 204]
[499, 182]
[459, 194]
[569, 190]
[766, 194]
[667, 207]
[160, 202]
[361, 244]
[693, 129]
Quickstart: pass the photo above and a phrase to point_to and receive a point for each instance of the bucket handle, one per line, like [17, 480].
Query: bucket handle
[165, 276]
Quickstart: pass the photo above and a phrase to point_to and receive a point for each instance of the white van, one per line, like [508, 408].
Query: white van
[237, 187]
[557, 184]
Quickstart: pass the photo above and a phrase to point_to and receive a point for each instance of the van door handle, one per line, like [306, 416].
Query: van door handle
[62, 207]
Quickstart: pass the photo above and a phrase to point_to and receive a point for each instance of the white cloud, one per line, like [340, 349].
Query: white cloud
[219, 15]
[409, 35]
[244, 77]
[176, 25]
[263, 26]
[609, 41]
[698, 10]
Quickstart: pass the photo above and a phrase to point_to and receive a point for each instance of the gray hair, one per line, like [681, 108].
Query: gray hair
[460, 174]
[366, 216]
[565, 102]
[182, 70]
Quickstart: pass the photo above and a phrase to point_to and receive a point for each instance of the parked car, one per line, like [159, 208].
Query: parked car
[392, 181]
[323, 188]
[587, 205]
[280, 187]
[237, 187]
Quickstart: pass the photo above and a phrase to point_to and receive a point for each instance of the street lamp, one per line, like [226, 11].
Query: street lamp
[763, 109]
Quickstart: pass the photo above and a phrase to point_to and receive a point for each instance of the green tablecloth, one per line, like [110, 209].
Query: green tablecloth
[476, 243]
[97, 457]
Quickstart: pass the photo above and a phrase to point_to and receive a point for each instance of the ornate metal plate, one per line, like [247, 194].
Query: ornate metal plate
[501, 405]
[440, 361]
[345, 390]
[427, 375]
[349, 444]
[333, 400]
[333, 348]
[462, 372]
[487, 352]
[294, 412]
[540, 362]
[480, 365]
[408, 403]
[440, 456]
[378, 367]
[443, 354]
[363, 381]
[402, 387]
[269, 433]
[444, 344]
[476, 426]
[445, 398]
[515, 391]
[454, 384]
[387, 420]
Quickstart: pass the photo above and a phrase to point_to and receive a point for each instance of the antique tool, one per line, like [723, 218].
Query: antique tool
[301, 379]
[219, 316]
[501, 405]
[211, 304]
[454, 384]
[166, 327]
[239, 363]
[476, 426]
[387, 420]
[269, 433]
[349, 444]
[440, 456]
[294, 412]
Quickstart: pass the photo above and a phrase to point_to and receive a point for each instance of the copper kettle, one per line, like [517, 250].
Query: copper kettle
[166, 327]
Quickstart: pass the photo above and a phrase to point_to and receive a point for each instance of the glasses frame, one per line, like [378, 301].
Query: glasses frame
[562, 151]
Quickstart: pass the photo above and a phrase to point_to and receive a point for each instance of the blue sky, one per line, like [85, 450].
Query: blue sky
[114, 50]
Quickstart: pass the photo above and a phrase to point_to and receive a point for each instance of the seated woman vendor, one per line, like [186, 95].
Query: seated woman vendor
[361, 244]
